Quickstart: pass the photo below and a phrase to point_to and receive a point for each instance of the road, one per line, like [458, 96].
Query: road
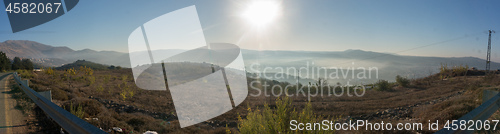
[11, 120]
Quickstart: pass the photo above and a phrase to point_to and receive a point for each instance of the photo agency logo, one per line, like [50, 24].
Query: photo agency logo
[170, 53]
[26, 14]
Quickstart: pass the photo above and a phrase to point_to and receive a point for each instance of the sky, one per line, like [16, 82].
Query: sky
[444, 28]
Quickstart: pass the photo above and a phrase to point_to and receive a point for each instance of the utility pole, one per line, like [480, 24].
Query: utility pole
[488, 56]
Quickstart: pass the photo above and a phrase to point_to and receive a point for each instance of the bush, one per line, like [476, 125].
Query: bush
[25, 74]
[91, 80]
[77, 111]
[106, 78]
[91, 107]
[136, 123]
[124, 78]
[446, 72]
[383, 85]
[49, 71]
[404, 82]
[59, 94]
[100, 88]
[86, 70]
[460, 70]
[278, 120]
[126, 92]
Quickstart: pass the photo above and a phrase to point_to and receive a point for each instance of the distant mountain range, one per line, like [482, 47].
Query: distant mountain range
[47, 55]
[388, 65]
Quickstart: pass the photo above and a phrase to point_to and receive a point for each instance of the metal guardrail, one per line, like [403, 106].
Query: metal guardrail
[65, 119]
[483, 112]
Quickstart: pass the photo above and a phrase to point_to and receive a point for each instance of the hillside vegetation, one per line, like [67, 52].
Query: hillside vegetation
[89, 64]
[112, 97]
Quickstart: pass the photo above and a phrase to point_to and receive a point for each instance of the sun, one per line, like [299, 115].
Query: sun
[261, 13]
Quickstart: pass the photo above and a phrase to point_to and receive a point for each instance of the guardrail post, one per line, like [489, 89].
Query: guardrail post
[27, 82]
[46, 94]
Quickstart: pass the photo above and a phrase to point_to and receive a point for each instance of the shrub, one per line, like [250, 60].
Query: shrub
[130, 93]
[126, 91]
[136, 123]
[91, 80]
[123, 94]
[49, 71]
[91, 107]
[86, 70]
[383, 85]
[106, 78]
[404, 82]
[124, 78]
[100, 88]
[459, 70]
[77, 111]
[70, 72]
[58, 94]
[278, 120]
[25, 74]
[454, 71]
[443, 71]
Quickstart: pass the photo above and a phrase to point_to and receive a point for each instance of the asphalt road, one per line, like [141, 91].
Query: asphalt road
[12, 121]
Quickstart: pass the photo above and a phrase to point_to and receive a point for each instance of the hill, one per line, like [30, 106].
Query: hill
[51, 56]
[31, 49]
[82, 63]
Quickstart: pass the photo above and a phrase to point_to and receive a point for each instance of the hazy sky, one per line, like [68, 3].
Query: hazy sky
[457, 27]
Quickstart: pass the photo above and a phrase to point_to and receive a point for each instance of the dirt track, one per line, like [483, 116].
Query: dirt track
[11, 119]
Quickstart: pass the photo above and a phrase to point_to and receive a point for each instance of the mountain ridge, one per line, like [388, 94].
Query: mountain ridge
[45, 53]
[55, 55]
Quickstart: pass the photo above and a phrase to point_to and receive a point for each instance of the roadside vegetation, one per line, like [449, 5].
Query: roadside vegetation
[24, 103]
[277, 120]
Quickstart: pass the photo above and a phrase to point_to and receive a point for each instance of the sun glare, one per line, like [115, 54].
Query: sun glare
[261, 12]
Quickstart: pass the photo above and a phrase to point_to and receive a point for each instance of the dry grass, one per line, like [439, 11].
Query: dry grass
[109, 84]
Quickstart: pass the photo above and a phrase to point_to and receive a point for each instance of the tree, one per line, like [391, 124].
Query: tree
[17, 64]
[4, 62]
[27, 64]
